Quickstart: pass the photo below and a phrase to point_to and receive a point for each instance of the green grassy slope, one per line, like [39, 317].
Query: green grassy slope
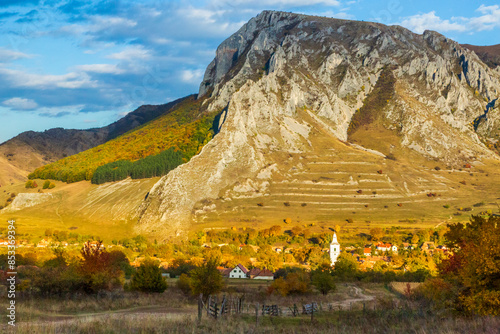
[185, 129]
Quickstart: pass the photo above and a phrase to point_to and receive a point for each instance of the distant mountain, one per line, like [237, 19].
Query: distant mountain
[490, 55]
[29, 150]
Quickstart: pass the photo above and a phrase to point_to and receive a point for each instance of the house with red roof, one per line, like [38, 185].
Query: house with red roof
[265, 275]
[386, 247]
[239, 272]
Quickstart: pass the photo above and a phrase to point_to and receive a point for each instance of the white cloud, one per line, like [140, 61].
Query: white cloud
[100, 68]
[192, 76]
[131, 52]
[430, 21]
[271, 3]
[70, 80]
[489, 20]
[124, 113]
[20, 103]
[9, 55]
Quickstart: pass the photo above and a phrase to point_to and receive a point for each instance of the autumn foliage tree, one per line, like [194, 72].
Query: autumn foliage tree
[206, 279]
[297, 282]
[473, 269]
[96, 269]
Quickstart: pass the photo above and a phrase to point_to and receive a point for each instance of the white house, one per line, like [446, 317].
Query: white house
[238, 272]
[386, 247]
[334, 249]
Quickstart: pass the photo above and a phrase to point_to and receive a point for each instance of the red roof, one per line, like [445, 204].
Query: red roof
[367, 250]
[242, 267]
[224, 271]
[254, 272]
[265, 273]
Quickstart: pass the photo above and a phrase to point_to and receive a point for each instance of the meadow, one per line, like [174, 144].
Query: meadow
[381, 311]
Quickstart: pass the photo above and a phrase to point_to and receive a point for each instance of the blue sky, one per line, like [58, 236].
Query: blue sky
[82, 64]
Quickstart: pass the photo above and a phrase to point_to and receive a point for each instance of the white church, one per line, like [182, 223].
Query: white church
[334, 249]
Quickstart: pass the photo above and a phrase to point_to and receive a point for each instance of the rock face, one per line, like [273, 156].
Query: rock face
[283, 78]
[26, 200]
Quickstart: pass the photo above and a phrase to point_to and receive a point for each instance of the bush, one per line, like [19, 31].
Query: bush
[436, 291]
[30, 184]
[323, 281]
[46, 184]
[184, 284]
[294, 283]
[148, 278]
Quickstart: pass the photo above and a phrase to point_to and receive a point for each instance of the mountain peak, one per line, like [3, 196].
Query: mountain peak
[301, 96]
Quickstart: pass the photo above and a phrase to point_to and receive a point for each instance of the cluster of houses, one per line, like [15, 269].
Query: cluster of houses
[45, 243]
[240, 271]
[378, 252]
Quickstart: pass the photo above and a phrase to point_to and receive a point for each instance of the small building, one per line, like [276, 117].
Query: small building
[428, 246]
[265, 274]
[257, 273]
[367, 251]
[407, 245]
[238, 272]
[387, 247]
[43, 243]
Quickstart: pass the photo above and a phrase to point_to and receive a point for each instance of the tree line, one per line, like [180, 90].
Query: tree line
[186, 129]
[151, 166]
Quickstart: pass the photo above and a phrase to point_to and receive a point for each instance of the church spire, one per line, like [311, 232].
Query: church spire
[334, 239]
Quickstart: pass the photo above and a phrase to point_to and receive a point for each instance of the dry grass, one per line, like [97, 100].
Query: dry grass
[403, 287]
[171, 312]
[391, 321]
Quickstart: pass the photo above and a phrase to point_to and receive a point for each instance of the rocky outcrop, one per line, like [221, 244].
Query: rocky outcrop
[26, 200]
[283, 75]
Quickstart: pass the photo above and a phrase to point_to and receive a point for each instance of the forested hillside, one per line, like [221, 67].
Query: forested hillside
[183, 131]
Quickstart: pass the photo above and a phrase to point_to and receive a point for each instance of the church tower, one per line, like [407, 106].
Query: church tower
[334, 249]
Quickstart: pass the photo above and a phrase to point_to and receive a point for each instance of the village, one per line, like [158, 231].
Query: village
[257, 259]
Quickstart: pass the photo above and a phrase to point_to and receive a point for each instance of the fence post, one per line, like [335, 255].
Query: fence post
[209, 304]
[200, 307]
[257, 315]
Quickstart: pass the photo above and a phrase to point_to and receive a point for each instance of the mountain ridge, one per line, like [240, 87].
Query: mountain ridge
[30, 150]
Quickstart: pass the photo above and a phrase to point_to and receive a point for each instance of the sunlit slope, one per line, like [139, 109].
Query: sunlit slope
[185, 129]
[106, 211]
[340, 183]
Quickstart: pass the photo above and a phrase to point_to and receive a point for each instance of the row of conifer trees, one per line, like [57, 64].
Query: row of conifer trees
[151, 166]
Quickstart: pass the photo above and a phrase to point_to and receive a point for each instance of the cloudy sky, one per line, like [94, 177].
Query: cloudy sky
[82, 64]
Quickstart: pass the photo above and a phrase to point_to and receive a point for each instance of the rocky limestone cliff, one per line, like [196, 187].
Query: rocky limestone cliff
[283, 76]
